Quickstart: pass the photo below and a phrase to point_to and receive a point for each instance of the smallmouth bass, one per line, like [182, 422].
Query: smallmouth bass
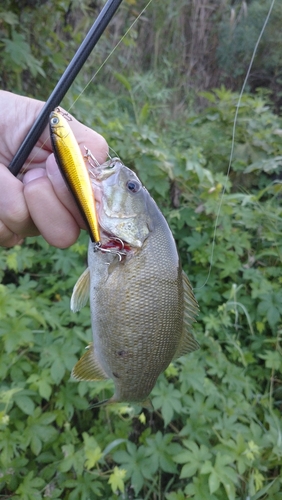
[142, 304]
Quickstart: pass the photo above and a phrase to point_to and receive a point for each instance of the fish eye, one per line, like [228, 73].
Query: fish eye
[133, 186]
[55, 120]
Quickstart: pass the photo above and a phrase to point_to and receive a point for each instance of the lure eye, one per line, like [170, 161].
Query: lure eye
[133, 186]
[54, 120]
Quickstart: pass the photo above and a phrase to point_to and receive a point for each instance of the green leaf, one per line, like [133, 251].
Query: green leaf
[57, 371]
[25, 403]
[166, 397]
[116, 480]
[122, 79]
[273, 359]
[35, 445]
[30, 488]
[163, 451]
[144, 113]
[137, 463]
[214, 482]
[193, 457]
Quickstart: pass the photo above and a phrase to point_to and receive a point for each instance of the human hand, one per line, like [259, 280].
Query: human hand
[41, 203]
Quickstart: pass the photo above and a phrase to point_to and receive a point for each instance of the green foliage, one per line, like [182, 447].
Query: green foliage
[239, 29]
[216, 429]
[205, 46]
[215, 433]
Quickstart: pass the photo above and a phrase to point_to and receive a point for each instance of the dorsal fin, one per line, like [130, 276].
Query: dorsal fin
[187, 342]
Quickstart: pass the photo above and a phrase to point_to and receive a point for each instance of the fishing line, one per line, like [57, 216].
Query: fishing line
[233, 141]
[96, 73]
[111, 53]
[234, 123]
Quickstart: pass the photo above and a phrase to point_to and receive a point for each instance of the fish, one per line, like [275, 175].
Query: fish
[141, 301]
[72, 166]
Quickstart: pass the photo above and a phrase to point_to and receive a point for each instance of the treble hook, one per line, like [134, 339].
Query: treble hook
[119, 253]
[89, 156]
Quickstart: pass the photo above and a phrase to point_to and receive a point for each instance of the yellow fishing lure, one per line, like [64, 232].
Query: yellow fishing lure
[72, 166]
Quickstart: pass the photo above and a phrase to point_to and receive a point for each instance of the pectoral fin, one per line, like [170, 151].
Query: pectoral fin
[187, 342]
[80, 292]
[88, 367]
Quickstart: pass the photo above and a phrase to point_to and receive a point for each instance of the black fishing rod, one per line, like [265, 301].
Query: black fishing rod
[64, 84]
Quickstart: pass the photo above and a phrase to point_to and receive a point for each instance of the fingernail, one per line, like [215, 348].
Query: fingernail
[32, 174]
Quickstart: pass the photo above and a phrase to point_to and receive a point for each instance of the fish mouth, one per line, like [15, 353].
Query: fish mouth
[110, 242]
[117, 244]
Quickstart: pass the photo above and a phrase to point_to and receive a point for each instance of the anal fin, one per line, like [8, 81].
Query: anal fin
[88, 367]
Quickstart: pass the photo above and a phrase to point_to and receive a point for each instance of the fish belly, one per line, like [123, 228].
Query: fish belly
[137, 316]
